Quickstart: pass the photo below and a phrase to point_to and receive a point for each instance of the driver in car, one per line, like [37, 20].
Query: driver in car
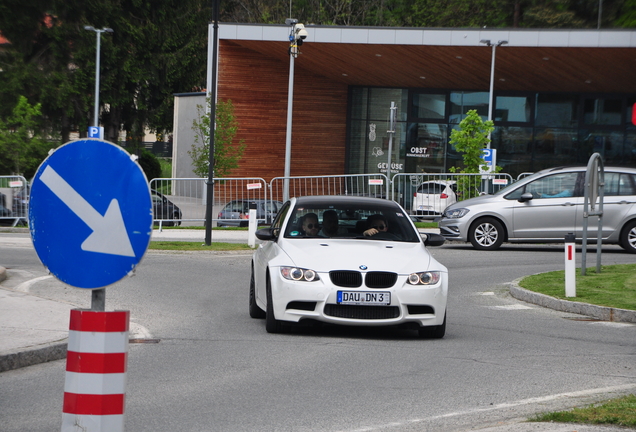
[376, 224]
[310, 225]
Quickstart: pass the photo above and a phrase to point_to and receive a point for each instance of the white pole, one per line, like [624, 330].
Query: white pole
[251, 228]
[290, 105]
[570, 266]
[391, 132]
[97, 62]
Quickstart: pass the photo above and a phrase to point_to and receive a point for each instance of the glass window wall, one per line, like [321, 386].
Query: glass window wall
[512, 109]
[462, 102]
[556, 110]
[601, 111]
[428, 106]
[532, 132]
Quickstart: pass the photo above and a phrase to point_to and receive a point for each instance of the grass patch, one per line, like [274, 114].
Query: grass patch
[197, 246]
[166, 167]
[426, 225]
[614, 286]
[620, 412]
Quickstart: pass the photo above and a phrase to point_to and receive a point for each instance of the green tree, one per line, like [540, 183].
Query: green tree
[470, 139]
[157, 49]
[226, 153]
[627, 15]
[22, 147]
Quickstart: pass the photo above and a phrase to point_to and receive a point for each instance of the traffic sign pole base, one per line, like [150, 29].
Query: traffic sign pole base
[96, 366]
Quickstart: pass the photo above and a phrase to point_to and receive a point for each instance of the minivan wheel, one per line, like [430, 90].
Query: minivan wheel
[628, 237]
[486, 234]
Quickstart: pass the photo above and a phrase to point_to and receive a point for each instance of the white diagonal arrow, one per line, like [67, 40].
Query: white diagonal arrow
[109, 234]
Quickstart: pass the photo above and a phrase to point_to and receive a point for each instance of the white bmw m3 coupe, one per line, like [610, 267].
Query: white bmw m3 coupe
[350, 261]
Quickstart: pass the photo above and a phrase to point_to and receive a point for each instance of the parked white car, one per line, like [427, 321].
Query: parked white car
[372, 270]
[432, 197]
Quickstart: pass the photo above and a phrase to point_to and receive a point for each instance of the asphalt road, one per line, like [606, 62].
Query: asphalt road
[208, 367]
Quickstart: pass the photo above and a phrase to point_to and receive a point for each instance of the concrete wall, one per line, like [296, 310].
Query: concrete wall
[185, 111]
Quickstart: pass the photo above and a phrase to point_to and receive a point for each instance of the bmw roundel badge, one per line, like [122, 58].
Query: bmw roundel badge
[363, 267]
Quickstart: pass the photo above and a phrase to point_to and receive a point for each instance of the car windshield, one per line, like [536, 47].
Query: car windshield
[350, 220]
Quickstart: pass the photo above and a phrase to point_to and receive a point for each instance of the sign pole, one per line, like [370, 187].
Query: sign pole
[98, 300]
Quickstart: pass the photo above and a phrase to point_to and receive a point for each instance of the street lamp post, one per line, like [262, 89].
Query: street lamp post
[296, 37]
[97, 58]
[492, 76]
[98, 296]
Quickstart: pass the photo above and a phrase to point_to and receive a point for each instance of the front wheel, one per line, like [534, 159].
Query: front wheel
[272, 325]
[433, 332]
[628, 237]
[486, 234]
[255, 310]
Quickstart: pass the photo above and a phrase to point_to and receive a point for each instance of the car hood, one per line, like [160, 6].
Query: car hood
[324, 255]
[483, 199]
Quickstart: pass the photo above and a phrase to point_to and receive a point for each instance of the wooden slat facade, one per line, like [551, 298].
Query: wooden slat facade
[257, 86]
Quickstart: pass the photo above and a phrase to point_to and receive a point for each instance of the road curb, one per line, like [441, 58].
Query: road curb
[601, 313]
[34, 355]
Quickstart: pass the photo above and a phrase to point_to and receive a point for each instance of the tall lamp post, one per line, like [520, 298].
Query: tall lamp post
[98, 296]
[97, 57]
[296, 37]
[492, 75]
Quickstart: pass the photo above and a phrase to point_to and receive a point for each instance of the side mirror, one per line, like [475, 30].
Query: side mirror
[266, 234]
[432, 239]
[525, 197]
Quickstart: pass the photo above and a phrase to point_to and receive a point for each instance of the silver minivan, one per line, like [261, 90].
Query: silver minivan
[544, 207]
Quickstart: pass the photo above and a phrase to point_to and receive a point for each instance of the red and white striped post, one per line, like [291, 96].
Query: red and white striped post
[570, 266]
[96, 364]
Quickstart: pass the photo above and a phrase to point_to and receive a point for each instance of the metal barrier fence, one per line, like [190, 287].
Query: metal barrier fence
[178, 201]
[14, 200]
[182, 201]
[371, 185]
[427, 195]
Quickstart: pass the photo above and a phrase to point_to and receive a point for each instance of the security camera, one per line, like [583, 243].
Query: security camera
[300, 32]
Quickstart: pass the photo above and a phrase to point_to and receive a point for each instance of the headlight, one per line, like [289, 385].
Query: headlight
[424, 278]
[456, 213]
[299, 274]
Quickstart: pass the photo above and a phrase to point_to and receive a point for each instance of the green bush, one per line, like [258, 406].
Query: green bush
[150, 164]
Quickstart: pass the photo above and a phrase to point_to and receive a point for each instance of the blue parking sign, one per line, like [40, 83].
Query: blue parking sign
[490, 159]
[90, 213]
[96, 132]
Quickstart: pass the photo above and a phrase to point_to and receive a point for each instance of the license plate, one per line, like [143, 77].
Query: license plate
[423, 207]
[364, 298]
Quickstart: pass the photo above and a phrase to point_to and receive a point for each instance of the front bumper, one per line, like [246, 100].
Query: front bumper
[423, 305]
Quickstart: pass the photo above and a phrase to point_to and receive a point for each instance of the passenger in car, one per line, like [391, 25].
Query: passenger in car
[376, 223]
[310, 225]
[330, 226]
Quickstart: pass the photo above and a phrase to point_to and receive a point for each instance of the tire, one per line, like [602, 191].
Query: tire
[272, 325]
[177, 219]
[433, 332]
[628, 237]
[486, 234]
[255, 311]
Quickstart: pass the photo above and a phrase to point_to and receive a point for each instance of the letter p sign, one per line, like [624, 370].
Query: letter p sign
[96, 132]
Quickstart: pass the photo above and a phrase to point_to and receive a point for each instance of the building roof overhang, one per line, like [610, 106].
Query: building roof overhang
[588, 61]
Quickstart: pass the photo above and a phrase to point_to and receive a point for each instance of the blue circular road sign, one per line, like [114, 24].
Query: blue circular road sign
[90, 213]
